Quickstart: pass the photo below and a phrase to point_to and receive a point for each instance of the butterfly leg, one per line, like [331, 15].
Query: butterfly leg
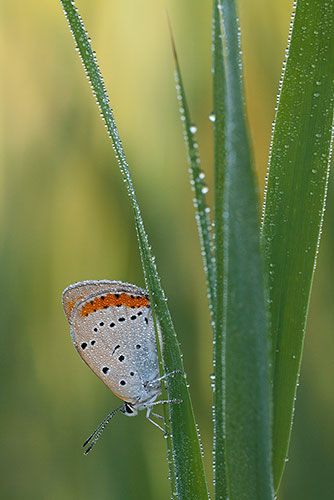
[163, 377]
[157, 415]
[163, 402]
[148, 411]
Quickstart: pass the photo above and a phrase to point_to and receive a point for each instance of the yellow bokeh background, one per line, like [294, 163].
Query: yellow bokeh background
[65, 217]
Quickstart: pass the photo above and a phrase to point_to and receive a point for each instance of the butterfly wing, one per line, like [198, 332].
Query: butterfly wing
[113, 331]
[78, 291]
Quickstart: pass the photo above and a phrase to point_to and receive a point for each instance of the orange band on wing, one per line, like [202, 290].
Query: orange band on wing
[72, 303]
[111, 299]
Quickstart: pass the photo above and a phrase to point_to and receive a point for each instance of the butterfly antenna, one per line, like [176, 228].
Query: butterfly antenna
[98, 431]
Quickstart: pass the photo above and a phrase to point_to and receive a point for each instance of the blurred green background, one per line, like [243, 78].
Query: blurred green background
[65, 217]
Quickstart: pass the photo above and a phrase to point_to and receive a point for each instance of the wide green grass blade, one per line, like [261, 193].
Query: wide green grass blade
[295, 199]
[219, 84]
[186, 469]
[246, 381]
[197, 181]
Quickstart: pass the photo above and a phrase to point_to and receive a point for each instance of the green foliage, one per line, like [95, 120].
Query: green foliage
[185, 460]
[295, 201]
[244, 378]
[257, 349]
[219, 84]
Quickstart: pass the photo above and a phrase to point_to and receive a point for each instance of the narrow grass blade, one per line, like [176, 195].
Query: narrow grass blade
[187, 470]
[295, 200]
[246, 381]
[197, 181]
[219, 84]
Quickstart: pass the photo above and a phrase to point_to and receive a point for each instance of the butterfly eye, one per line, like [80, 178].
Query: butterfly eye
[128, 409]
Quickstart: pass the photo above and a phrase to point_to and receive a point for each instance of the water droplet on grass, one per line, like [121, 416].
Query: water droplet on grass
[193, 128]
[212, 117]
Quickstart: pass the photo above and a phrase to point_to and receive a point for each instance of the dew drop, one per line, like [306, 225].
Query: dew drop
[212, 117]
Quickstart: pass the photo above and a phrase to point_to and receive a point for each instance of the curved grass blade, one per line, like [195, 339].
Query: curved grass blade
[187, 468]
[246, 381]
[295, 200]
[197, 181]
[219, 85]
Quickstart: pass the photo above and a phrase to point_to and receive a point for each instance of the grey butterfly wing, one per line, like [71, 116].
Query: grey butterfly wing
[78, 291]
[117, 341]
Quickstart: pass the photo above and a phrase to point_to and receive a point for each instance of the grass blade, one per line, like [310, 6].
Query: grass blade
[245, 376]
[197, 181]
[295, 199]
[187, 470]
[219, 85]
